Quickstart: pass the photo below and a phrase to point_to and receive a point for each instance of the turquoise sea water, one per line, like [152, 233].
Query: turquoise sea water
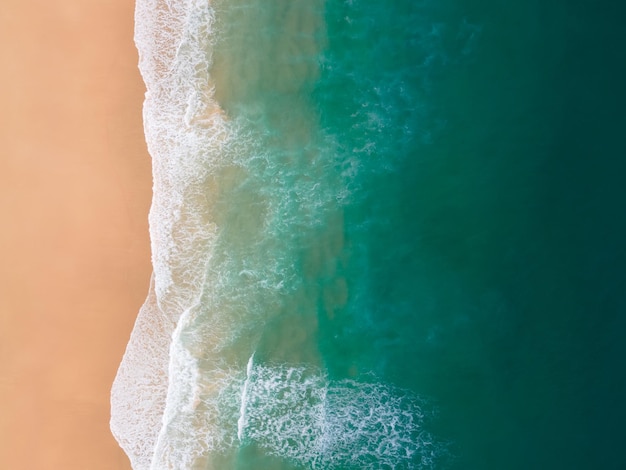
[385, 235]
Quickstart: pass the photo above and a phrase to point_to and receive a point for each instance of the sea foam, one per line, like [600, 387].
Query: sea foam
[185, 133]
[301, 415]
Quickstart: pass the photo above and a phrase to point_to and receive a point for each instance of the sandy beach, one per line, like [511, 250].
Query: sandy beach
[75, 190]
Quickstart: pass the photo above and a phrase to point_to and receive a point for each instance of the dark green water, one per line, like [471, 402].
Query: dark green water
[467, 240]
[522, 202]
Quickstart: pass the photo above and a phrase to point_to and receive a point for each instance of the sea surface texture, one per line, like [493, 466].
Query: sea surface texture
[386, 234]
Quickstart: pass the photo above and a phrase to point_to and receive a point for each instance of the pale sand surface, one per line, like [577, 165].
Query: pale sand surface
[75, 189]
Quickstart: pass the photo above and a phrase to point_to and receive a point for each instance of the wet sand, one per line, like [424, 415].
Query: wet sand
[75, 190]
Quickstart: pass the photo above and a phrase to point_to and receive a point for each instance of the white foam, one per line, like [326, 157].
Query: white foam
[186, 133]
[241, 422]
[304, 417]
[194, 427]
[139, 391]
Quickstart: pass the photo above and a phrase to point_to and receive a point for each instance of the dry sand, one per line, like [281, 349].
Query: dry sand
[75, 189]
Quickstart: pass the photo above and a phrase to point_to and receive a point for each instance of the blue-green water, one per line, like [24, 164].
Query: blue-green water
[401, 240]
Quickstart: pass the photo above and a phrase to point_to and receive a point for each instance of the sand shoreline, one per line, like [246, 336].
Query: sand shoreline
[75, 189]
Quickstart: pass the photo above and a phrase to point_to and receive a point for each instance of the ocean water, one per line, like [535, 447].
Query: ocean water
[385, 235]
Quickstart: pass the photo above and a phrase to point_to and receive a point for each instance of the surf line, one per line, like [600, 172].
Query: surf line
[241, 422]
